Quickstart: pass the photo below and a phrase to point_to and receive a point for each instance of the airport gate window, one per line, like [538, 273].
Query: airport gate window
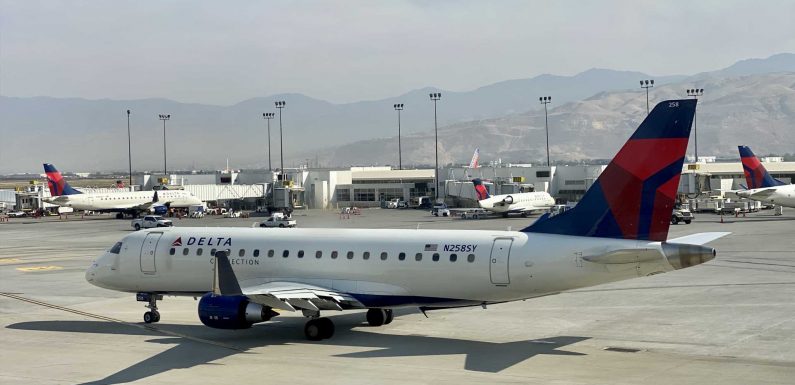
[436, 257]
[212, 252]
[364, 195]
[256, 252]
[116, 248]
[185, 251]
[453, 257]
[542, 174]
[286, 253]
[391, 193]
[402, 256]
[418, 257]
[318, 254]
[172, 251]
[241, 253]
[471, 258]
[270, 253]
[383, 256]
[199, 251]
[343, 195]
[300, 253]
[350, 255]
[366, 255]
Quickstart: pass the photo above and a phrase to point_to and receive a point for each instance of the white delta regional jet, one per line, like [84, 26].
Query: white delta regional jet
[519, 203]
[761, 185]
[132, 203]
[245, 275]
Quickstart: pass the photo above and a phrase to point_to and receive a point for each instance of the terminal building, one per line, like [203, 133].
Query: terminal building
[319, 188]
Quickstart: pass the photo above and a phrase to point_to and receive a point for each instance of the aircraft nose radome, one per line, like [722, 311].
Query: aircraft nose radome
[91, 273]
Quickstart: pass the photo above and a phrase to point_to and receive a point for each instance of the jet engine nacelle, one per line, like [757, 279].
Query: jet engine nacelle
[508, 200]
[232, 312]
[159, 210]
[684, 255]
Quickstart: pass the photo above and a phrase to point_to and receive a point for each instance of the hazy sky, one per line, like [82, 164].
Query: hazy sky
[223, 52]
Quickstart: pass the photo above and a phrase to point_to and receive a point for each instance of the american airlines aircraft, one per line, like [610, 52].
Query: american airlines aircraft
[132, 203]
[520, 203]
[247, 275]
[761, 185]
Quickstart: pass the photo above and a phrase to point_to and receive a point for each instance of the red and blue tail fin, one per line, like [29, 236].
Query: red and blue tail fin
[635, 195]
[755, 174]
[56, 182]
[480, 189]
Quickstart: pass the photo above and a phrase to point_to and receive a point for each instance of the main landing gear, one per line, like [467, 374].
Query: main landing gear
[317, 328]
[320, 328]
[152, 315]
[380, 317]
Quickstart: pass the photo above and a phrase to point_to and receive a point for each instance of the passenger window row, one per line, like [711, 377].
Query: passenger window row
[334, 254]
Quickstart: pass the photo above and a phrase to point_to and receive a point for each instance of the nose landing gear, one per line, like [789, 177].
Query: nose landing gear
[153, 315]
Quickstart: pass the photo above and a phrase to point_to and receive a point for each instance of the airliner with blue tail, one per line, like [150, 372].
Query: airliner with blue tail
[761, 185]
[132, 203]
[246, 276]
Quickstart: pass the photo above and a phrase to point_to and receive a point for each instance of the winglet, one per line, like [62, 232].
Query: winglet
[224, 279]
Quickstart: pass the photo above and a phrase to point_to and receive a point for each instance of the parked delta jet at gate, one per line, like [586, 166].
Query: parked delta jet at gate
[244, 276]
[132, 203]
[761, 185]
[519, 203]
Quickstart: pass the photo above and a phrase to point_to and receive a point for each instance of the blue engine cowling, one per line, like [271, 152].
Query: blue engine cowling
[232, 311]
[159, 209]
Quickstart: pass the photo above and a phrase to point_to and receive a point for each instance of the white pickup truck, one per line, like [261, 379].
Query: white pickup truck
[278, 220]
[149, 221]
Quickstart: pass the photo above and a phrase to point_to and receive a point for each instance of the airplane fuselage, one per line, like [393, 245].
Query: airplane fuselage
[519, 202]
[380, 268]
[124, 201]
[778, 195]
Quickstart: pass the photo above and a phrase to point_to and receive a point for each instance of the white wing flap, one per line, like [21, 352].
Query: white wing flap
[295, 295]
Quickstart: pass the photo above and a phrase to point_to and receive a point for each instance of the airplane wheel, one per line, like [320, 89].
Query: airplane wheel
[151, 316]
[318, 329]
[376, 317]
[390, 315]
[326, 327]
[137, 227]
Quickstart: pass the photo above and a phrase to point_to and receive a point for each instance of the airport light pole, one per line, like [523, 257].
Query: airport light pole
[647, 83]
[398, 108]
[280, 105]
[268, 116]
[695, 93]
[129, 148]
[164, 117]
[435, 98]
[546, 100]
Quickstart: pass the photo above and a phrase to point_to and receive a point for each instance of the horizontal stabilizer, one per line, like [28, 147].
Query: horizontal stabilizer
[700, 238]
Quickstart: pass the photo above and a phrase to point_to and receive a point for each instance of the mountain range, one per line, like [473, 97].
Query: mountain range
[591, 114]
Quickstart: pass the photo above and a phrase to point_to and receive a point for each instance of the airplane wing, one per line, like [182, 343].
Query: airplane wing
[287, 295]
[283, 295]
[700, 238]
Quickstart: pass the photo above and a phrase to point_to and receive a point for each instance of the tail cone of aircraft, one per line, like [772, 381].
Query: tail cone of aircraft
[681, 256]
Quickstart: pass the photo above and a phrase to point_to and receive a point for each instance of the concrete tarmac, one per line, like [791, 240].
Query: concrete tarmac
[729, 321]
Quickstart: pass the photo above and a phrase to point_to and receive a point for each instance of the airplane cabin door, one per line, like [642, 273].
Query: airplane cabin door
[148, 253]
[498, 265]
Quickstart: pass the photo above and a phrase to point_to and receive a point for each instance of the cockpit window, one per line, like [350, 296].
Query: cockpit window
[116, 249]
